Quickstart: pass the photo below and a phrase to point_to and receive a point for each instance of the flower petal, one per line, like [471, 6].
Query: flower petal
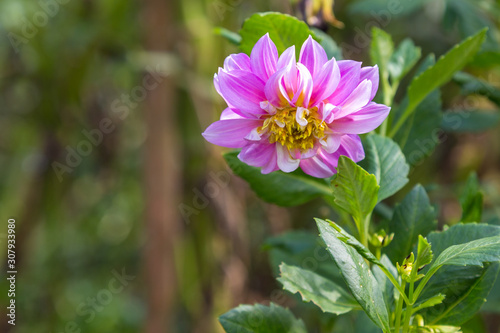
[308, 153]
[303, 92]
[239, 61]
[230, 114]
[243, 91]
[358, 98]
[349, 79]
[351, 146]
[287, 58]
[254, 135]
[300, 116]
[274, 90]
[322, 165]
[216, 82]
[313, 56]
[289, 82]
[370, 73]
[258, 154]
[285, 161]
[331, 160]
[264, 57]
[230, 133]
[326, 112]
[365, 120]
[290, 85]
[272, 165]
[316, 167]
[331, 142]
[325, 82]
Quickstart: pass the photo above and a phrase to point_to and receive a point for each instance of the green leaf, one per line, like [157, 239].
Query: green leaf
[384, 272]
[460, 234]
[354, 189]
[381, 50]
[352, 241]
[471, 200]
[444, 68]
[357, 275]
[331, 48]
[428, 303]
[231, 36]
[354, 322]
[424, 256]
[261, 319]
[435, 329]
[303, 249]
[418, 137]
[403, 59]
[473, 85]
[385, 160]
[378, 9]
[284, 30]
[493, 300]
[469, 18]
[470, 120]
[473, 253]
[387, 287]
[284, 189]
[465, 288]
[475, 325]
[486, 59]
[412, 217]
[329, 296]
[439, 74]
[424, 132]
[466, 291]
[388, 270]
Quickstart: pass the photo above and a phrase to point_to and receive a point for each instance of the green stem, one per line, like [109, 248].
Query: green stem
[404, 137]
[402, 119]
[426, 278]
[418, 308]
[364, 227]
[395, 283]
[409, 307]
[388, 96]
[378, 252]
[399, 309]
[383, 127]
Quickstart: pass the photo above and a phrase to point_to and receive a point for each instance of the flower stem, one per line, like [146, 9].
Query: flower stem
[389, 93]
[378, 252]
[387, 101]
[409, 309]
[426, 279]
[395, 283]
[399, 309]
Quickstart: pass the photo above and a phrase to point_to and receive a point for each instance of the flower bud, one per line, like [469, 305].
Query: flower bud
[381, 239]
[406, 268]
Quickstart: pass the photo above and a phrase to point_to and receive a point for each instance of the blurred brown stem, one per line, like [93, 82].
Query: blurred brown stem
[161, 174]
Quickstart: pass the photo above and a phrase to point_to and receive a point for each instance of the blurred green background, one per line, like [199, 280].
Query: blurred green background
[126, 219]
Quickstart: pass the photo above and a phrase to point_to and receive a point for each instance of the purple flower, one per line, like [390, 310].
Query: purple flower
[285, 114]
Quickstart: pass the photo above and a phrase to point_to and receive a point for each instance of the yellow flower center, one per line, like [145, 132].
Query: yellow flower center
[295, 128]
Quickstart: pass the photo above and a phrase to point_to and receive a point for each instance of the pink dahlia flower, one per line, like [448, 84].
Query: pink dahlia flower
[285, 114]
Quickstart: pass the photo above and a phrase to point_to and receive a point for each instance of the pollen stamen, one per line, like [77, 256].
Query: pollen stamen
[284, 128]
